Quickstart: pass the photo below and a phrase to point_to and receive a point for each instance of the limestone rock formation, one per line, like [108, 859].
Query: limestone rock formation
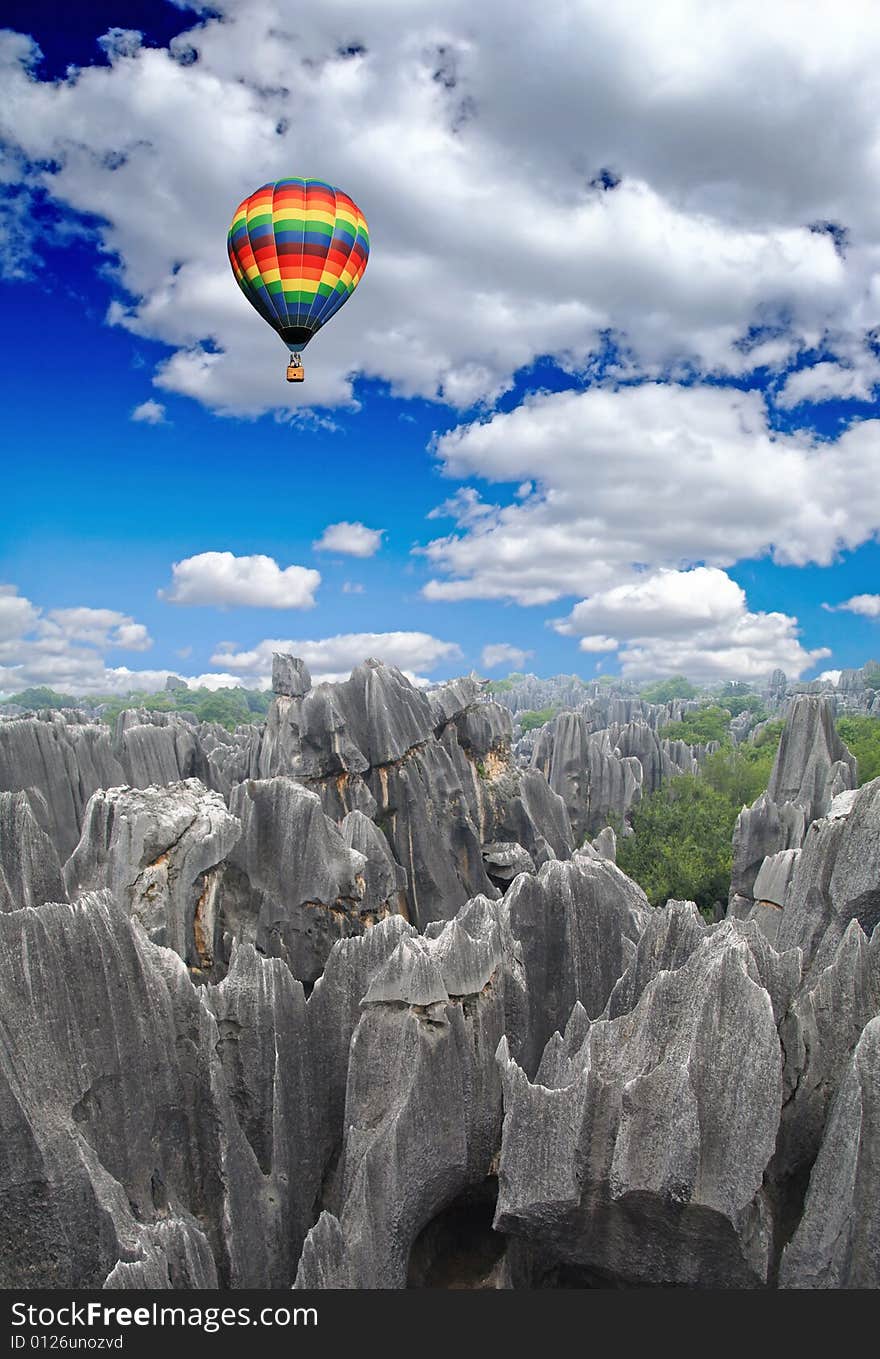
[837, 1244]
[605, 844]
[65, 762]
[812, 763]
[640, 1151]
[771, 889]
[761, 831]
[294, 885]
[160, 852]
[836, 878]
[119, 1113]
[30, 872]
[819, 1032]
[812, 771]
[577, 925]
[505, 860]
[290, 676]
[258, 1044]
[587, 772]
[423, 1102]
[384, 879]
[155, 748]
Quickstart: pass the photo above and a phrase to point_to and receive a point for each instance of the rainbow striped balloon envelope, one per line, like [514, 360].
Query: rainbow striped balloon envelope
[298, 249]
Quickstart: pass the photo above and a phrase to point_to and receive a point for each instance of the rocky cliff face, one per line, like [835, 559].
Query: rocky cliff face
[812, 770]
[160, 852]
[30, 870]
[601, 771]
[338, 1004]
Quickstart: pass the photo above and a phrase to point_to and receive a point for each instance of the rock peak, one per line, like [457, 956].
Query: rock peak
[290, 676]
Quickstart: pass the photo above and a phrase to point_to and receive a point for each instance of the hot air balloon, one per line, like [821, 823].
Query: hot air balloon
[298, 249]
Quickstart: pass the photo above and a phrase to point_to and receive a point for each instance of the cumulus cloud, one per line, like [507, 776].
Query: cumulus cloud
[335, 657]
[430, 124]
[224, 580]
[354, 540]
[121, 42]
[122, 680]
[149, 413]
[671, 603]
[831, 382]
[17, 615]
[655, 474]
[693, 622]
[866, 605]
[96, 627]
[597, 643]
[502, 653]
[65, 648]
[465, 506]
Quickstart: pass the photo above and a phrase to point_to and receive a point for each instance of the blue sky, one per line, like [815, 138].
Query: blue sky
[606, 393]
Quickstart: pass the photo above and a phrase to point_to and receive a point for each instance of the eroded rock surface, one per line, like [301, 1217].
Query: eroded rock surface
[837, 1244]
[160, 852]
[640, 1150]
[30, 872]
[334, 990]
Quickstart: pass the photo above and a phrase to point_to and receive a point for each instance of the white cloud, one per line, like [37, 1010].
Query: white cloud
[149, 413]
[132, 637]
[466, 507]
[669, 604]
[332, 657]
[655, 474]
[224, 580]
[96, 627]
[866, 605]
[731, 132]
[831, 382]
[121, 680]
[64, 648]
[832, 675]
[355, 540]
[121, 42]
[17, 615]
[352, 587]
[695, 623]
[502, 653]
[596, 642]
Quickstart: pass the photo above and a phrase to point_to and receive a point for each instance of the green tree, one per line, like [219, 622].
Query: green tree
[682, 843]
[862, 735]
[226, 706]
[258, 700]
[39, 696]
[536, 717]
[662, 691]
[738, 704]
[742, 774]
[710, 723]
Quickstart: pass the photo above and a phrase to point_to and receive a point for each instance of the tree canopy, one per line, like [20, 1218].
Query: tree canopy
[862, 735]
[710, 723]
[682, 845]
[536, 717]
[662, 691]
